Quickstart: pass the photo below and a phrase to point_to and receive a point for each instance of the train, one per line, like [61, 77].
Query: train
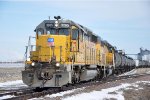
[68, 53]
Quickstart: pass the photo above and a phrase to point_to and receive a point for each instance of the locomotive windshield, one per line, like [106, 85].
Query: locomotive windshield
[60, 31]
[51, 31]
[63, 31]
[40, 31]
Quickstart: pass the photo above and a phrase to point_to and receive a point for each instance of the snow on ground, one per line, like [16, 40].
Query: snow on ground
[12, 85]
[103, 94]
[129, 73]
[148, 72]
[113, 92]
[137, 71]
[9, 85]
[6, 97]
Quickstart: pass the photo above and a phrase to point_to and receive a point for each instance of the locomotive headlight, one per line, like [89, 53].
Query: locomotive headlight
[56, 22]
[33, 63]
[56, 25]
[57, 64]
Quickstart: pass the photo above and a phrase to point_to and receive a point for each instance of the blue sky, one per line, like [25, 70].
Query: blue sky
[123, 23]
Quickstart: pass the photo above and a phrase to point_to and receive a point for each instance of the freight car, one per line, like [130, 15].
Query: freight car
[123, 63]
[67, 53]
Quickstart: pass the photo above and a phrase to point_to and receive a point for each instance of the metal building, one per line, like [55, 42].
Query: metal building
[144, 55]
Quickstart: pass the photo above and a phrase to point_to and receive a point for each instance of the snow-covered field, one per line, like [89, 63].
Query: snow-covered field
[10, 74]
[11, 65]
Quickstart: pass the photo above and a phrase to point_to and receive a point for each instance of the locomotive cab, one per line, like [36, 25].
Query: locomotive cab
[56, 43]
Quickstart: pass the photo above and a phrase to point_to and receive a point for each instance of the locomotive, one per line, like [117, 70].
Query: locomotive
[67, 53]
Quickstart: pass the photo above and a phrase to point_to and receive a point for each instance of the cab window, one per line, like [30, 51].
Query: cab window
[86, 37]
[75, 33]
[40, 31]
[63, 31]
[51, 31]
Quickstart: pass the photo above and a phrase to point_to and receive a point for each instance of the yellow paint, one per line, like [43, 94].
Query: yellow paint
[109, 59]
[44, 52]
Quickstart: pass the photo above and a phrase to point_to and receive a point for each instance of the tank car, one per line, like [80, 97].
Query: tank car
[122, 62]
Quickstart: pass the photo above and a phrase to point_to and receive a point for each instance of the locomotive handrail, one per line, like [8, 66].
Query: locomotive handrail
[28, 47]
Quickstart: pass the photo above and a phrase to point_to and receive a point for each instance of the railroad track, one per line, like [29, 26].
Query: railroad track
[23, 94]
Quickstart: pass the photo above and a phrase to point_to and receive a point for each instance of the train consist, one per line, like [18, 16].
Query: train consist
[67, 53]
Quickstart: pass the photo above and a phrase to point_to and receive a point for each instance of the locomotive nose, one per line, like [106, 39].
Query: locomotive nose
[53, 46]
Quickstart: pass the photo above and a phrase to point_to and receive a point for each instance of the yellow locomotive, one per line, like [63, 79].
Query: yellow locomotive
[66, 53]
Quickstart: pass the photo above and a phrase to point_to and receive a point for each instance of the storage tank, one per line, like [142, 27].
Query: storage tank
[136, 62]
[145, 57]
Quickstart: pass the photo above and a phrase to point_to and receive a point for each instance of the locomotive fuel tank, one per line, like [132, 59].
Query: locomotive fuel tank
[88, 74]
